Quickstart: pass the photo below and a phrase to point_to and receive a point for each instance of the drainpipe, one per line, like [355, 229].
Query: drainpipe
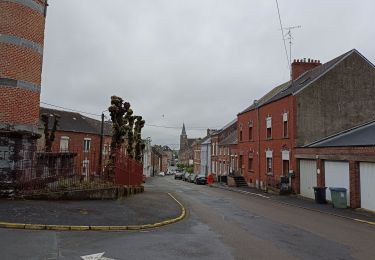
[257, 108]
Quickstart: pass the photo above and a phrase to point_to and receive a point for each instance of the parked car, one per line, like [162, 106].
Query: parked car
[161, 174]
[201, 179]
[192, 177]
[178, 175]
[185, 176]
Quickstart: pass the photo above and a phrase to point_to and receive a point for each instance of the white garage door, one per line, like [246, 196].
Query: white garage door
[307, 178]
[367, 177]
[337, 175]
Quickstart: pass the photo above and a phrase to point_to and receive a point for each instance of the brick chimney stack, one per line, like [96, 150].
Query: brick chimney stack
[301, 66]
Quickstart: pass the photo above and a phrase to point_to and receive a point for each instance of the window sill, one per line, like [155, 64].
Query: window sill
[251, 171]
[269, 174]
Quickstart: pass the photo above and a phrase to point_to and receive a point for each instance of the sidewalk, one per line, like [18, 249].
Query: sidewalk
[142, 209]
[298, 201]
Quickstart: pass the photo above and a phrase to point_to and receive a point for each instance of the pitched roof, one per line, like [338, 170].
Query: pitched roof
[230, 139]
[267, 97]
[362, 135]
[293, 87]
[75, 122]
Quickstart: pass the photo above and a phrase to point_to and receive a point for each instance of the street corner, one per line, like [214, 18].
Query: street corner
[144, 211]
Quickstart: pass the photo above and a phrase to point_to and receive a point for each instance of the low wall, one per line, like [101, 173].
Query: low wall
[112, 193]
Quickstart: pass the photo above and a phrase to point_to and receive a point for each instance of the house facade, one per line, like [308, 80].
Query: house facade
[205, 152]
[197, 156]
[219, 166]
[320, 100]
[79, 135]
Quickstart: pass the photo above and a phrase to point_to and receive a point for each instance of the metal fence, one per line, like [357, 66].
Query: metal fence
[30, 171]
[127, 170]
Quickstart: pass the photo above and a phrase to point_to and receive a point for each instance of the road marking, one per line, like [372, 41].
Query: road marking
[364, 221]
[98, 256]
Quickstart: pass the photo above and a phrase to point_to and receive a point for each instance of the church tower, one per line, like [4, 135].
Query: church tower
[183, 139]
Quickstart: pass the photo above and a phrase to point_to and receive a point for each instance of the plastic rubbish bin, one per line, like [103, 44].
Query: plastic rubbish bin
[338, 196]
[320, 195]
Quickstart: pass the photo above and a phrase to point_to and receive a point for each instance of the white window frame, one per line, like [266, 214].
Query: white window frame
[268, 126]
[269, 156]
[64, 140]
[86, 148]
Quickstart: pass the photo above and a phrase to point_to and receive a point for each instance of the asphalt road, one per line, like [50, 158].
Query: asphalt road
[220, 225]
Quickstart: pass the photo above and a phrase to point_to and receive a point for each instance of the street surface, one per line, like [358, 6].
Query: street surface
[220, 224]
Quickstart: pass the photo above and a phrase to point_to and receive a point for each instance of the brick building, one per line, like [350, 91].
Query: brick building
[21, 56]
[319, 101]
[80, 135]
[218, 166]
[345, 160]
[197, 156]
[228, 156]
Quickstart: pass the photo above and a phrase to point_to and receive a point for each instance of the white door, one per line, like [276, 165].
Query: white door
[337, 175]
[308, 178]
[367, 177]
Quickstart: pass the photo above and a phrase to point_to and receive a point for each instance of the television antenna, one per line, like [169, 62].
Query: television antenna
[289, 37]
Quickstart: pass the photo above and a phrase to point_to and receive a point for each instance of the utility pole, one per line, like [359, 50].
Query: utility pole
[289, 37]
[101, 144]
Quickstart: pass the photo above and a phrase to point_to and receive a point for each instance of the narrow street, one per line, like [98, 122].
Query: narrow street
[219, 225]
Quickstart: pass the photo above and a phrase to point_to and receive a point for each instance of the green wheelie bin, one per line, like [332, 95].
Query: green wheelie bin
[338, 196]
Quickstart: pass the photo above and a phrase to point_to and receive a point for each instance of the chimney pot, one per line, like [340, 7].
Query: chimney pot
[302, 65]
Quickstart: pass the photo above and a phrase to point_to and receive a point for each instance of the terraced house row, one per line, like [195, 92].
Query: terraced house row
[317, 129]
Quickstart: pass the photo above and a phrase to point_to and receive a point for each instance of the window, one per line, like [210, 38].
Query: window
[64, 143]
[269, 165]
[285, 125]
[269, 127]
[86, 144]
[250, 162]
[269, 162]
[250, 131]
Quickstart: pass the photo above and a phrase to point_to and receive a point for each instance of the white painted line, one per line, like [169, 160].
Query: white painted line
[98, 256]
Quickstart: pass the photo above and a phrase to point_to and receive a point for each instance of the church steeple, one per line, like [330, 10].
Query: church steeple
[183, 129]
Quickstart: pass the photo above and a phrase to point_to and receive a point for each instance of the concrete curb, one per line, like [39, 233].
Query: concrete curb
[97, 228]
[297, 206]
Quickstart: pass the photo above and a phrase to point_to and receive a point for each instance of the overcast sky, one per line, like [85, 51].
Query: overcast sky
[194, 61]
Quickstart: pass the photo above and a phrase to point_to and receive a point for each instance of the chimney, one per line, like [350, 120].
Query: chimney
[301, 66]
[208, 131]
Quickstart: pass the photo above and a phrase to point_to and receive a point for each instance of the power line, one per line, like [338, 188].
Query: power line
[282, 34]
[151, 125]
[70, 109]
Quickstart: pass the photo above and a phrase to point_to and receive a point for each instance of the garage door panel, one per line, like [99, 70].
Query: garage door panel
[308, 178]
[337, 175]
[367, 180]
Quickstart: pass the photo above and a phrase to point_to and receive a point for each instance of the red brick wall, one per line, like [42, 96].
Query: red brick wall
[76, 141]
[21, 21]
[277, 143]
[20, 106]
